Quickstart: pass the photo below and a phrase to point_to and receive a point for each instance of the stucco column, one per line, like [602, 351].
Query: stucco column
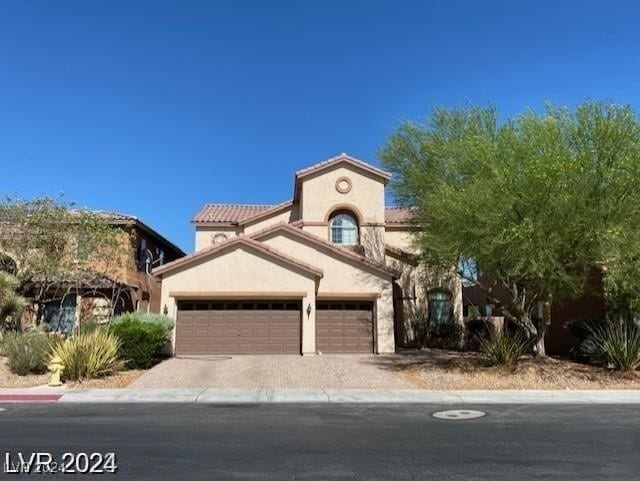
[384, 321]
[309, 324]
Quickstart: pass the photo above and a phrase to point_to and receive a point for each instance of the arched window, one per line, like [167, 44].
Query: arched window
[344, 229]
[439, 307]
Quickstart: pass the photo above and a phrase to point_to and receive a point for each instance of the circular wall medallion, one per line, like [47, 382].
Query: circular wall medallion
[458, 414]
[219, 238]
[343, 185]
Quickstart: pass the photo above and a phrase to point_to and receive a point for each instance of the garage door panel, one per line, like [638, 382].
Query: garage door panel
[344, 327]
[231, 327]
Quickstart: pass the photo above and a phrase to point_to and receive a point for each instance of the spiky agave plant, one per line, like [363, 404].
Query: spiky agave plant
[617, 344]
[504, 347]
[88, 355]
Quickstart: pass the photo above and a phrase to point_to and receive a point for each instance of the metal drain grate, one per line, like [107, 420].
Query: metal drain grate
[459, 414]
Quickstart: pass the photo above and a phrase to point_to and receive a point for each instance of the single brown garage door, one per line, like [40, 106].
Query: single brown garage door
[344, 327]
[238, 327]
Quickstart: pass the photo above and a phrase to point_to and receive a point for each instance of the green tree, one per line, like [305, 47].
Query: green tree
[54, 248]
[11, 303]
[537, 201]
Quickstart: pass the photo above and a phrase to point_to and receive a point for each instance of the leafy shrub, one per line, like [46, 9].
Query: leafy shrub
[88, 355]
[159, 319]
[441, 335]
[27, 352]
[504, 347]
[89, 326]
[140, 342]
[617, 344]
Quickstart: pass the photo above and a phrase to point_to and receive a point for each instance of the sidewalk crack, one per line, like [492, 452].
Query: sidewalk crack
[197, 399]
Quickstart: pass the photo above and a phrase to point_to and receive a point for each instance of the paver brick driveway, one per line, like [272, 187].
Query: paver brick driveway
[276, 371]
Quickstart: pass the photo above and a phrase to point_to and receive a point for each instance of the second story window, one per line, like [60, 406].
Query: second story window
[344, 229]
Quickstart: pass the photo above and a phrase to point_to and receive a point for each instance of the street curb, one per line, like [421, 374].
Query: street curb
[30, 398]
[343, 396]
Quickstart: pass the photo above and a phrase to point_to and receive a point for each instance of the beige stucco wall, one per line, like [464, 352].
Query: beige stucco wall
[248, 271]
[205, 234]
[402, 239]
[345, 278]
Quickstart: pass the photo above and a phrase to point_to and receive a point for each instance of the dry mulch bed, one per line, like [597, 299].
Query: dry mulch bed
[11, 380]
[450, 370]
[121, 379]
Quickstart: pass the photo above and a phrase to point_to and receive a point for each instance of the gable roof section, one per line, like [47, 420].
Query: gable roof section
[276, 209]
[237, 214]
[340, 159]
[240, 240]
[343, 158]
[320, 242]
[229, 213]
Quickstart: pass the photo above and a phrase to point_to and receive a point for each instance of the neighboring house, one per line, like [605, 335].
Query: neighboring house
[128, 287]
[329, 271]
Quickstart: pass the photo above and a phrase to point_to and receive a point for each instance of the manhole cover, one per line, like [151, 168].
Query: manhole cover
[458, 414]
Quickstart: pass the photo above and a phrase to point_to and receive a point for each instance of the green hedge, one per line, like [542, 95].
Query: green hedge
[140, 342]
[157, 319]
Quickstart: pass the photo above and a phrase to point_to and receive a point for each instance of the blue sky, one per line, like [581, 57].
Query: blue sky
[153, 108]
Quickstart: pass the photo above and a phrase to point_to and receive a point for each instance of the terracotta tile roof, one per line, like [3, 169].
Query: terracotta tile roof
[245, 213]
[319, 241]
[230, 213]
[241, 239]
[399, 215]
[344, 157]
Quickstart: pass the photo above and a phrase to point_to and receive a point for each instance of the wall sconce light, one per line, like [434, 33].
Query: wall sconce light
[308, 310]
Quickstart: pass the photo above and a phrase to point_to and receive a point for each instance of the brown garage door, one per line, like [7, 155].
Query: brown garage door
[238, 327]
[344, 327]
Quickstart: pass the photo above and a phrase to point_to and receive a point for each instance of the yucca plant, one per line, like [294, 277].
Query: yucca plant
[617, 344]
[504, 347]
[89, 355]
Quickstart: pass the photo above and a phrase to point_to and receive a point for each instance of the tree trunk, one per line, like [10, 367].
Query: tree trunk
[539, 349]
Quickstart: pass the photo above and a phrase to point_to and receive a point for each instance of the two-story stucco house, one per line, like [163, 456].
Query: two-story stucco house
[329, 271]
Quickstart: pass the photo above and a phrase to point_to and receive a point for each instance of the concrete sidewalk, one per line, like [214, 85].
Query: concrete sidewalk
[247, 396]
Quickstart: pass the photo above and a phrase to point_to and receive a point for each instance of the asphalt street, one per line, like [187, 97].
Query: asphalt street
[329, 442]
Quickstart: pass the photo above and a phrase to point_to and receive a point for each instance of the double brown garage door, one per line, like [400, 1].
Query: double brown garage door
[238, 327]
[271, 327]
